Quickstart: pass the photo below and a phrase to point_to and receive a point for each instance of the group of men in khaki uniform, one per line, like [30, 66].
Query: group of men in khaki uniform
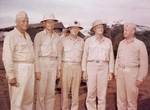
[70, 58]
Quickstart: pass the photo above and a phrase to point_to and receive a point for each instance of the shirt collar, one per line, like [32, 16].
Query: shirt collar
[19, 33]
[130, 41]
[71, 38]
[46, 33]
[101, 40]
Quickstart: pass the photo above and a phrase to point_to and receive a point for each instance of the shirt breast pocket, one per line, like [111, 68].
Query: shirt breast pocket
[45, 46]
[67, 48]
[106, 50]
[104, 53]
[45, 43]
[22, 47]
[92, 48]
[78, 48]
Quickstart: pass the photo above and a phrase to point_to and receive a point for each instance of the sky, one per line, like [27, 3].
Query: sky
[84, 11]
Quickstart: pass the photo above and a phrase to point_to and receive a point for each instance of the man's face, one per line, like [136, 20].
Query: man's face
[129, 31]
[49, 24]
[23, 23]
[99, 29]
[74, 30]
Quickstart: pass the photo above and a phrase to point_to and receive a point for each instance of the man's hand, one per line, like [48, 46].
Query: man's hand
[110, 76]
[13, 82]
[85, 75]
[138, 83]
[115, 76]
[37, 75]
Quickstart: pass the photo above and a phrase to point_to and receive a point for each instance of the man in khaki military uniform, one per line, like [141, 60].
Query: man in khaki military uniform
[98, 66]
[130, 69]
[18, 58]
[72, 49]
[47, 54]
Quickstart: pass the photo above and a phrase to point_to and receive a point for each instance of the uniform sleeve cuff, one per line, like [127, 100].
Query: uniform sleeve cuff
[10, 76]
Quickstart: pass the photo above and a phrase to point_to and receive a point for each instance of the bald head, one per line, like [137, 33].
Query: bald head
[130, 26]
[22, 21]
[129, 30]
[21, 15]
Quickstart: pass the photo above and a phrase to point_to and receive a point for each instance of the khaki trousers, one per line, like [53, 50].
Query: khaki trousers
[97, 85]
[127, 92]
[21, 97]
[46, 85]
[71, 77]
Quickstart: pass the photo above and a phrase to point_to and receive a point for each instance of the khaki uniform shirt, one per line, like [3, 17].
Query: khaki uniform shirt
[16, 48]
[133, 54]
[72, 49]
[46, 46]
[98, 51]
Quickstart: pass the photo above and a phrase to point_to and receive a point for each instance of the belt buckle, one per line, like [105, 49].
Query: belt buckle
[55, 57]
[97, 61]
[123, 66]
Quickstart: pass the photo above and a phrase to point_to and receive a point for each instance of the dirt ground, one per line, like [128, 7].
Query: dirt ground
[143, 101]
